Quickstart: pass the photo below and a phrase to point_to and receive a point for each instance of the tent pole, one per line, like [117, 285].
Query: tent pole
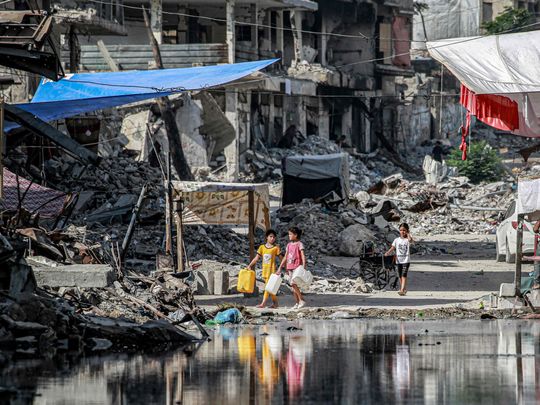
[168, 209]
[179, 236]
[251, 213]
[519, 252]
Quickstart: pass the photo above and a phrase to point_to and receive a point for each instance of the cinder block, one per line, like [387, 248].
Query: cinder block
[221, 282]
[204, 282]
[507, 290]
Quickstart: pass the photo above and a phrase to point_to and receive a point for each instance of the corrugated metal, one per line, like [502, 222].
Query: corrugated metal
[139, 56]
[247, 54]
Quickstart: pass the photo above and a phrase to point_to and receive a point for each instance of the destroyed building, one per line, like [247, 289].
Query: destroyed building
[344, 70]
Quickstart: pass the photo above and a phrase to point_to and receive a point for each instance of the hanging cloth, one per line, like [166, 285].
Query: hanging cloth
[496, 111]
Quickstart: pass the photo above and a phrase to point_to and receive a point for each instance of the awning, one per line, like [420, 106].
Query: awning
[495, 64]
[85, 92]
[506, 67]
[222, 203]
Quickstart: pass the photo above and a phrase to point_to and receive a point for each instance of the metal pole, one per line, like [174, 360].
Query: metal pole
[519, 252]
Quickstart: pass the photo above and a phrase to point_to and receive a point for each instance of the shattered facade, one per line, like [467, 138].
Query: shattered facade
[344, 70]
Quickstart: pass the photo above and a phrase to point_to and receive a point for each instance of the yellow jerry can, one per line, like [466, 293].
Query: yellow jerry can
[246, 281]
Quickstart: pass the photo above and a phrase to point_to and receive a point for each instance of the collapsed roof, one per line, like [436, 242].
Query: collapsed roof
[22, 37]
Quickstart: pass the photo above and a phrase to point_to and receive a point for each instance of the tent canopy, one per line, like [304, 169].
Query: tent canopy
[506, 67]
[85, 92]
[496, 64]
[222, 203]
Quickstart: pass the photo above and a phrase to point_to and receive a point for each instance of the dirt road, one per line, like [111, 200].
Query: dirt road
[466, 272]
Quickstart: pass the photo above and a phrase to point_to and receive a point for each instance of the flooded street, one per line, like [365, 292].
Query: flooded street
[345, 361]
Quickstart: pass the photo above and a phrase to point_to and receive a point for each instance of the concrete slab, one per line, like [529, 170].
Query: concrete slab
[204, 282]
[77, 275]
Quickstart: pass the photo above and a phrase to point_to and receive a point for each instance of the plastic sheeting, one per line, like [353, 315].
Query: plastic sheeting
[85, 92]
[316, 167]
[528, 200]
[447, 19]
[222, 203]
[303, 172]
[496, 64]
[506, 65]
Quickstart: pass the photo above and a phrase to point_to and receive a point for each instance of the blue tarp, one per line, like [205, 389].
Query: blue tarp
[85, 92]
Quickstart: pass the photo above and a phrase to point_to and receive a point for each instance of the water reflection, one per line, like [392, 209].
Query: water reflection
[369, 362]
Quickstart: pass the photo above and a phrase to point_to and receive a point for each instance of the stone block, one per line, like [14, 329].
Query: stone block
[76, 275]
[507, 290]
[221, 282]
[204, 282]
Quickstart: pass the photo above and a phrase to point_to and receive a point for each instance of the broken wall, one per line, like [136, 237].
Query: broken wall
[350, 19]
[189, 120]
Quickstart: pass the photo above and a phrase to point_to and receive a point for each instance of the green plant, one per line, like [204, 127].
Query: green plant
[483, 163]
[510, 19]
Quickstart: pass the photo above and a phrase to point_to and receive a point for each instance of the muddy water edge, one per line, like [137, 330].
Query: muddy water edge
[465, 361]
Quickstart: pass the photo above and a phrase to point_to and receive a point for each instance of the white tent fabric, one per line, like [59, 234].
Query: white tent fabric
[507, 65]
[496, 64]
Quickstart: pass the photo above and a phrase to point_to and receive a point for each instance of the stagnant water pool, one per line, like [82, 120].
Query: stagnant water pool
[341, 362]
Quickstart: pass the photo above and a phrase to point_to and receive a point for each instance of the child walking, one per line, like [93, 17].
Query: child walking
[401, 245]
[268, 252]
[295, 257]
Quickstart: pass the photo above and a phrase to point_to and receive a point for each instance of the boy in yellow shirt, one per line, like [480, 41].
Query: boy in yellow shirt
[268, 253]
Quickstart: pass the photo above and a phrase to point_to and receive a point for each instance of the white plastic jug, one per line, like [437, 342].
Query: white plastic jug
[274, 281]
[301, 277]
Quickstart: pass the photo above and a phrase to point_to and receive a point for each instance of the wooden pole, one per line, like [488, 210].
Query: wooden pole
[167, 115]
[179, 236]
[519, 252]
[107, 56]
[132, 222]
[251, 224]
[74, 50]
[168, 209]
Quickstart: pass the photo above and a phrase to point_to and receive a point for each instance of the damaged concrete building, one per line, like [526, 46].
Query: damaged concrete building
[344, 70]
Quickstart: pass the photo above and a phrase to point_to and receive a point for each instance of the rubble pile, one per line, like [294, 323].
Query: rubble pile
[322, 228]
[266, 165]
[43, 324]
[43, 321]
[451, 207]
[120, 175]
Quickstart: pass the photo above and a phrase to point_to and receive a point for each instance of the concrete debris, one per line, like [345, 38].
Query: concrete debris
[453, 206]
[344, 286]
[354, 239]
[267, 166]
[82, 275]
